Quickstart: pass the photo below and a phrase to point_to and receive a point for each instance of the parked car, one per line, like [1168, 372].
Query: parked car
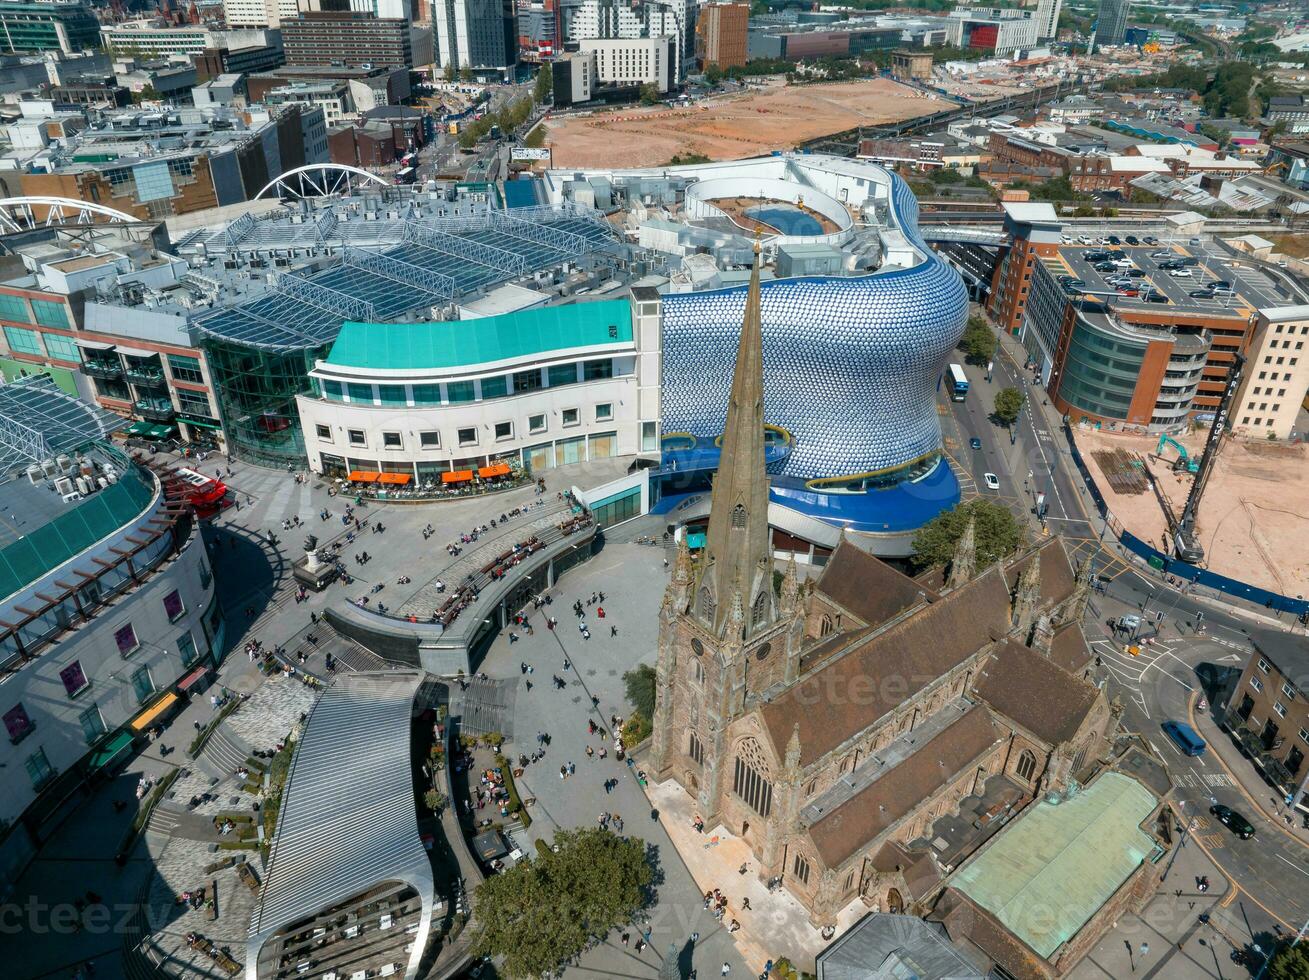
[1161, 253]
[1233, 821]
[1154, 297]
[1115, 240]
[975, 442]
[992, 481]
[1132, 240]
[1218, 290]
[1150, 240]
[1200, 294]
[1180, 273]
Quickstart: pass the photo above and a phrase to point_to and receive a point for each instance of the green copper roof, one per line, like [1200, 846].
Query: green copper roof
[462, 343]
[1045, 876]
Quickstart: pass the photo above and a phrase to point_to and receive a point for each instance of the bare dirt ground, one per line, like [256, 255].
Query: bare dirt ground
[1254, 516]
[753, 123]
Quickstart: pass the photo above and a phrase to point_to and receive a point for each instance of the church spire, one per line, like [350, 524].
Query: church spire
[964, 564]
[738, 565]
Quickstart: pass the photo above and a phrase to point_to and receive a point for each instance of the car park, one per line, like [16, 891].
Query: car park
[975, 442]
[992, 481]
[1232, 820]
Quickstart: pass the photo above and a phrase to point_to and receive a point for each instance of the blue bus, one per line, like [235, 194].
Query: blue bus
[958, 383]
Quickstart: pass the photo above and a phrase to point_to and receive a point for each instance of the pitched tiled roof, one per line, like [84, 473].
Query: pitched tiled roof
[840, 700]
[868, 586]
[1069, 649]
[901, 789]
[1057, 576]
[966, 924]
[1022, 684]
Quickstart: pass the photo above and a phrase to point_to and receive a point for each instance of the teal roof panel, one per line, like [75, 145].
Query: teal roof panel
[485, 340]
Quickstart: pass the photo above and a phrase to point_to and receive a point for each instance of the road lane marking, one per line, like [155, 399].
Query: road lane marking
[1294, 865]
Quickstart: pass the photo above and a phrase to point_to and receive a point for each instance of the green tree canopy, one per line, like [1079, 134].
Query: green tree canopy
[544, 84]
[640, 686]
[1008, 403]
[1290, 963]
[997, 534]
[649, 94]
[978, 342]
[545, 911]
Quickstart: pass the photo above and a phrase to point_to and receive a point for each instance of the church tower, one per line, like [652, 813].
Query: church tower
[721, 637]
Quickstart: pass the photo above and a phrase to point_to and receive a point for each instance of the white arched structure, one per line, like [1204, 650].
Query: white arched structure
[19, 213]
[320, 180]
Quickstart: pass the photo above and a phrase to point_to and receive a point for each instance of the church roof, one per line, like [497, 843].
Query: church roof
[902, 788]
[1026, 686]
[843, 698]
[1069, 648]
[918, 867]
[966, 924]
[1057, 576]
[868, 586]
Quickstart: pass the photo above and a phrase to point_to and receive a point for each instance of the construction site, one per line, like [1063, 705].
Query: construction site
[767, 117]
[1252, 520]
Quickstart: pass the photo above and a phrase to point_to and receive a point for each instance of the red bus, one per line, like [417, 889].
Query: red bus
[206, 495]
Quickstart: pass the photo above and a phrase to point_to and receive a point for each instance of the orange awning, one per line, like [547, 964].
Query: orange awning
[495, 469]
[457, 476]
[363, 476]
[151, 714]
[400, 479]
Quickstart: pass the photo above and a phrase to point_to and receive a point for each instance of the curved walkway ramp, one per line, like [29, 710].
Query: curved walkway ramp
[485, 594]
[349, 881]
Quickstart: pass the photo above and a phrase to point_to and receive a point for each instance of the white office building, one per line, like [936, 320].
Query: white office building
[586, 20]
[634, 61]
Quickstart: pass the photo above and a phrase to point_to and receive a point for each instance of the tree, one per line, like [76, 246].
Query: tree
[450, 72]
[978, 342]
[1290, 963]
[713, 74]
[1008, 403]
[544, 84]
[465, 74]
[996, 533]
[640, 686]
[544, 911]
[649, 94]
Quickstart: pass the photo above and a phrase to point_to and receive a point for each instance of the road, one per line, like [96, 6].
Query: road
[1272, 870]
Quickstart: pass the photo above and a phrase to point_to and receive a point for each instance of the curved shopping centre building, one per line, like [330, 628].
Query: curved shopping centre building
[584, 314]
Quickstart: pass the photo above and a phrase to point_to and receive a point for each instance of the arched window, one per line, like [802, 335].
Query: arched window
[695, 750]
[825, 626]
[707, 605]
[697, 672]
[759, 612]
[738, 515]
[750, 779]
[1026, 766]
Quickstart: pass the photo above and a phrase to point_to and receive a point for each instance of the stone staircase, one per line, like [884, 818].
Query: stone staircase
[224, 753]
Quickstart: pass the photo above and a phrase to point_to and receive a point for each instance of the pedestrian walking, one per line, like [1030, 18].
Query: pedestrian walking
[727, 968]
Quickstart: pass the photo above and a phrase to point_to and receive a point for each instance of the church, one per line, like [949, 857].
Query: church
[831, 724]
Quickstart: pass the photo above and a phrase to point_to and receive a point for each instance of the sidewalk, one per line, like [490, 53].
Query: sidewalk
[1246, 774]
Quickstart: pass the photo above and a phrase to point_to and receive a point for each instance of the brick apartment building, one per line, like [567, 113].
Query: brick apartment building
[1269, 710]
[1034, 231]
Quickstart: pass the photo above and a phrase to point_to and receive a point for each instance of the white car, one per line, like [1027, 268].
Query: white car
[992, 481]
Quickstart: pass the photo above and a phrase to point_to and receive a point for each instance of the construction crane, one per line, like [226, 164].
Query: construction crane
[1186, 543]
[1184, 459]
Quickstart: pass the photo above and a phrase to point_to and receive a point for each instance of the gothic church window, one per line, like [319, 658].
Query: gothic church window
[707, 604]
[759, 614]
[750, 778]
[738, 515]
[800, 868]
[695, 750]
[825, 626]
[1026, 765]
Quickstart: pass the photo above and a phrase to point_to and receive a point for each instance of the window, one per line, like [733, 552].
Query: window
[431, 394]
[1263, 665]
[74, 679]
[800, 869]
[571, 416]
[323, 432]
[504, 430]
[61, 348]
[186, 369]
[1289, 691]
[649, 436]
[527, 380]
[1280, 709]
[356, 437]
[707, 605]
[93, 726]
[186, 649]
[738, 516]
[174, 606]
[536, 423]
[39, 770]
[17, 723]
[458, 391]
[495, 387]
[1026, 768]
[1256, 683]
[431, 439]
[360, 393]
[393, 395]
[759, 613]
[49, 313]
[193, 402]
[604, 411]
[597, 370]
[391, 440]
[562, 374]
[13, 308]
[1304, 735]
[24, 341]
[332, 391]
[467, 437]
[142, 684]
[695, 750]
[750, 782]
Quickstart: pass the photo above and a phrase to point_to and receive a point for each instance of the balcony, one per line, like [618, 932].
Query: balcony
[106, 369]
[155, 409]
[151, 377]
